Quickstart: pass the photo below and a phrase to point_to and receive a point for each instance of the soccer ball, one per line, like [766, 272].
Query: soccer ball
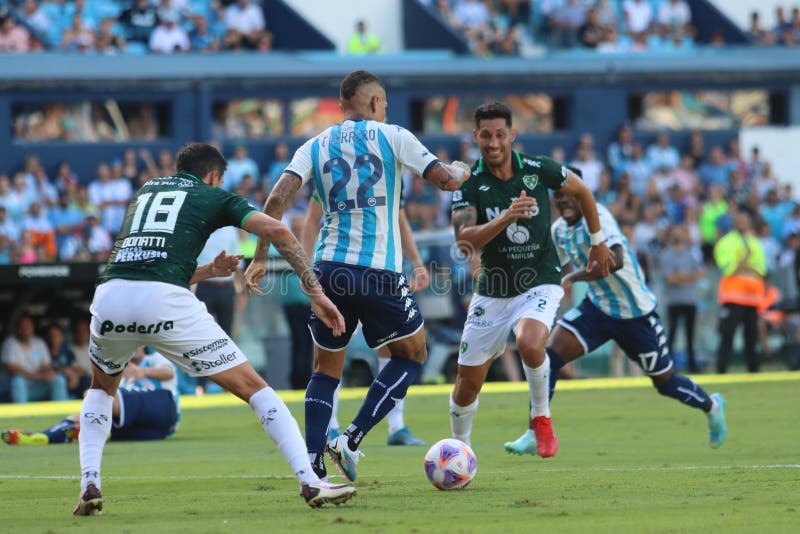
[450, 464]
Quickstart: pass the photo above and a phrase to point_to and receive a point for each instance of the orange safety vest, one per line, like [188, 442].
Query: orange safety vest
[742, 290]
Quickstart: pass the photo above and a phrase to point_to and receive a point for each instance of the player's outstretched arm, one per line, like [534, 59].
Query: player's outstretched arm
[275, 232]
[287, 187]
[421, 277]
[471, 236]
[222, 265]
[592, 271]
[599, 252]
[448, 176]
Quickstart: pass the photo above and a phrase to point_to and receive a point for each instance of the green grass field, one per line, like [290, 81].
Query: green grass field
[630, 461]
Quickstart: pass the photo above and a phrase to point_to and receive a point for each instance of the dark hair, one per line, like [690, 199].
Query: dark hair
[200, 159]
[354, 80]
[495, 110]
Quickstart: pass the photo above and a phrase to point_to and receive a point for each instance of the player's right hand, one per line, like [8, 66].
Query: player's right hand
[521, 207]
[253, 274]
[327, 312]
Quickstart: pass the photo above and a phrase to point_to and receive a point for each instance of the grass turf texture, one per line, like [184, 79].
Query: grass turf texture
[630, 460]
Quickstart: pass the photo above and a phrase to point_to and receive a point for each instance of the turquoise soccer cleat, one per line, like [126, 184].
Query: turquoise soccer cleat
[717, 427]
[404, 437]
[344, 459]
[525, 444]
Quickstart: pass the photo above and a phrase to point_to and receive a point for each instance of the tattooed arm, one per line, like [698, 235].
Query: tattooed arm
[447, 176]
[281, 194]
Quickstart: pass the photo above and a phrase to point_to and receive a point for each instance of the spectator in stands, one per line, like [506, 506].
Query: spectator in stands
[239, 165]
[590, 166]
[507, 44]
[35, 18]
[64, 176]
[682, 268]
[20, 198]
[28, 362]
[279, 162]
[606, 15]
[472, 17]
[758, 35]
[13, 37]
[65, 362]
[67, 221]
[139, 21]
[111, 196]
[639, 170]
[742, 264]
[80, 342]
[782, 26]
[168, 37]
[363, 42]
[773, 213]
[246, 26]
[7, 253]
[565, 21]
[42, 232]
[108, 41]
[715, 207]
[697, 147]
[592, 32]
[81, 200]
[98, 239]
[661, 154]
[78, 37]
[200, 38]
[44, 190]
[620, 151]
[716, 171]
[638, 16]
[421, 205]
[687, 180]
[8, 227]
[130, 165]
[674, 18]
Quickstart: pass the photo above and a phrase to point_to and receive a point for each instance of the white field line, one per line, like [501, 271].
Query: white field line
[483, 472]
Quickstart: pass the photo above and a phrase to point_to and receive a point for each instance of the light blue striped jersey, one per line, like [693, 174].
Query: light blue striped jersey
[623, 294]
[356, 167]
[155, 359]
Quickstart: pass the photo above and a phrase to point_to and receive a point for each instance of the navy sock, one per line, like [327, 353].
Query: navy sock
[556, 363]
[319, 406]
[389, 386]
[687, 391]
[63, 432]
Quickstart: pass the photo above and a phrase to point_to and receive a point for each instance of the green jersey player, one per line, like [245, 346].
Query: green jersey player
[504, 211]
[143, 298]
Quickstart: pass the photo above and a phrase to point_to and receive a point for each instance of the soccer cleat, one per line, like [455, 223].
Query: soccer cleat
[333, 433]
[404, 437]
[90, 502]
[344, 459]
[525, 444]
[546, 440]
[12, 436]
[321, 493]
[717, 427]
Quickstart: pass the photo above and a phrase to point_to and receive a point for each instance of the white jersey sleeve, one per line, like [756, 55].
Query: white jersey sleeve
[410, 152]
[302, 164]
[563, 258]
[610, 227]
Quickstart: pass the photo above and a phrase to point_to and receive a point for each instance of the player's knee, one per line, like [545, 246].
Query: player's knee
[465, 392]
[531, 349]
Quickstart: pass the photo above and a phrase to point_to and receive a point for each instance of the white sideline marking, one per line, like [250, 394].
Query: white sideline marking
[494, 472]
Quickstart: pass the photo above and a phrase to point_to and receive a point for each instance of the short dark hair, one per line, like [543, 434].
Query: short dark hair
[200, 159]
[495, 110]
[354, 80]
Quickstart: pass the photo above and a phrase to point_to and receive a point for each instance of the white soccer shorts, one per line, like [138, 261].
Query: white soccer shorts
[490, 320]
[129, 313]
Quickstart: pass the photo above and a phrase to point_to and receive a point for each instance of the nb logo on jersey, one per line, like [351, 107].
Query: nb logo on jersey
[517, 234]
[483, 188]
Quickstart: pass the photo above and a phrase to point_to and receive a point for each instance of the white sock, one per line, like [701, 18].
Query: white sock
[395, 417]
[282, 427]
[461, 419]
[334, 423]
[95, 427]
[539, 386]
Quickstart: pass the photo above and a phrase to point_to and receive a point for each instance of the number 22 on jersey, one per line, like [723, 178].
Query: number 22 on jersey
[341, 172]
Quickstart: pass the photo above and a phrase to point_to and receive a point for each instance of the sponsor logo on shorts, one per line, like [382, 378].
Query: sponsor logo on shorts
[200, 366]
[214, 345]
[134, 328]
[387, 338]
[107, 363]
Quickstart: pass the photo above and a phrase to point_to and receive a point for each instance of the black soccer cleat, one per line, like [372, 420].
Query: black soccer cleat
[90, 502]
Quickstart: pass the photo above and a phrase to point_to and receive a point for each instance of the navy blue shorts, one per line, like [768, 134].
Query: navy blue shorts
[145, 415]
[643, 339]
[379, 299]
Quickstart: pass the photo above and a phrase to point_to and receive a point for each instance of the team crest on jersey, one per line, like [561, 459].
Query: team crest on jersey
[479, 311]
[530, 181]
[464, 347]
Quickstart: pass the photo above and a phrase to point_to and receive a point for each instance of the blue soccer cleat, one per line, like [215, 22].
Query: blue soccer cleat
[717, 427]
[525, 444]
[344, 459]
[404, 437]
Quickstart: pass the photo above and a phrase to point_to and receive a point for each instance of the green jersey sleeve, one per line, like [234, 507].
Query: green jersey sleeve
[235, 210]
[552, 173]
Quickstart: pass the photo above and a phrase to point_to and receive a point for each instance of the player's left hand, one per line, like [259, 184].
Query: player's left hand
[224, 265]
[600, 257]
[253, 274]
[421, 279]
